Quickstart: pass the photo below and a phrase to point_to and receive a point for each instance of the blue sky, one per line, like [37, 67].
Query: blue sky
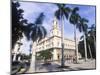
[33, 9]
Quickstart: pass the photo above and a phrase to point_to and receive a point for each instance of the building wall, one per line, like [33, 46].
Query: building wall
[54, 42]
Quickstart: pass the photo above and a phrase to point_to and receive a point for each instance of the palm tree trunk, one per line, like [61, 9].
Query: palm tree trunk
[85, 47]
[90, 51]
[94, 42]
[76, 48]
[62, 40]
[33, 58]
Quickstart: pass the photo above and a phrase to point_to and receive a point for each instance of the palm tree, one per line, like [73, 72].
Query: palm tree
[61, 14]
[74, 19]
[88, 41]
[83, 28]
[92, 33]
[89, 45]
[36, 32]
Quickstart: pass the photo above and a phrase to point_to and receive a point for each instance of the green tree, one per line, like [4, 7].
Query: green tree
[38, 32]
[83, 28]
[92, 33]
[92, 40]
[17, 23]
[88, 41]
[45, 55]
[62, 13]
[33, 31]
[74, 19]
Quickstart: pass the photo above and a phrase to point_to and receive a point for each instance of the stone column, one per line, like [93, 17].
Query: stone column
[55, 54]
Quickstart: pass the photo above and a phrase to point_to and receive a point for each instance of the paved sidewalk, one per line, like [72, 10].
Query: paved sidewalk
[82, 65]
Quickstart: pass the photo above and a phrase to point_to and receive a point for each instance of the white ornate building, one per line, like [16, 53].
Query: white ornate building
[53, 41]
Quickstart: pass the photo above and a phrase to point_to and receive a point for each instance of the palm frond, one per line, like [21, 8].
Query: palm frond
[16, 4]
[40, 19]
[84, 20]
[75, 10]
[74, 18]
[57, 14]
[34, 35]
[62, 11]
[27, 30]
[79, 27]
[40, 34]
[82, 37]
[61, 5]
[66, 11]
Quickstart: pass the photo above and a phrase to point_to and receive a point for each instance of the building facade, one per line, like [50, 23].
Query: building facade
[53, 41]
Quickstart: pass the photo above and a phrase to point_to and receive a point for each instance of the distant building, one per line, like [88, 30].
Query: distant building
[53, 42]
[16, 52]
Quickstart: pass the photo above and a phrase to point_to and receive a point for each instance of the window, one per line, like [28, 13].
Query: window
[52, 44]
[58, 43]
